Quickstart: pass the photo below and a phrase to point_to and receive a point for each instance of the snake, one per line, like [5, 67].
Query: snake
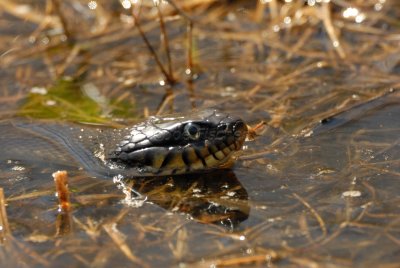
[198, 141]
[161, 145]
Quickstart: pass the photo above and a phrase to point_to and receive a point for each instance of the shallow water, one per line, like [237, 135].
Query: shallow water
[292, 199]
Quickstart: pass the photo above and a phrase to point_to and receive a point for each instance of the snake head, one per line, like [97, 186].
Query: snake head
[181, 144]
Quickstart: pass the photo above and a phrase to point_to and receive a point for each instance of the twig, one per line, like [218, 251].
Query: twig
[273, 8]
[76, 50]
[189, 60]
[255, 131]
[5, 228]
[167, 99]
[61, 181]
[180, 11]
[256, 260]
[63, 224]
[33, 16]
[189, 31]
[315, 213]
[30, 195]
[170, 79]
[27, 256]
[164, 36]
[119, 239]
[326, 18]
[63, 20]
[259, 11]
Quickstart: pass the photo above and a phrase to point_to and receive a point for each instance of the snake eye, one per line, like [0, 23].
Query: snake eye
[192, 131]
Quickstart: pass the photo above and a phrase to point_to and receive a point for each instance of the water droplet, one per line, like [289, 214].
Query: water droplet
[126, 4]
[39, 90]
[51, 102]
[18, 168]
[360, 18]
[351, 194]
[63, 38]
[335, 43]
[350, 12]
[231, 194]
[45, 40]
[32, 39]
[311, 2]
[378, 6]
[92, 5]
[287, 20]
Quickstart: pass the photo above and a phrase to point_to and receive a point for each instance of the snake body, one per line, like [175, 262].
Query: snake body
[167, 145]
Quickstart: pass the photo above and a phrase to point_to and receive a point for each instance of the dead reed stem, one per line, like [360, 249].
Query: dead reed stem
[167, 75]
[326, 18]
[61, 181]
[165, 42]
[189, 60]
[63, 20]
[315, 214]
[179, 10]
[5, 228]
[119, 239]
[63, 224]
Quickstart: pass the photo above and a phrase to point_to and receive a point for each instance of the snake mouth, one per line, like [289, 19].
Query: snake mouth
[166, 148]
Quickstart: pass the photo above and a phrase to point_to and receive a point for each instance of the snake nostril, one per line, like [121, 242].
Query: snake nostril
[223, 127]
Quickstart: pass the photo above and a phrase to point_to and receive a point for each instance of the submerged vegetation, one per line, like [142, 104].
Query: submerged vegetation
[330, 201]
